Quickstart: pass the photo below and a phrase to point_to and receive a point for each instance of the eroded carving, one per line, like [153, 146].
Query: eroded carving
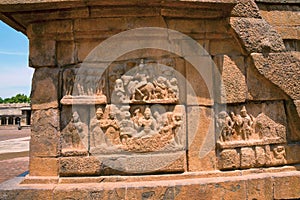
[140, 131]
[238, 130]
[144, 85]
[75, 135]
[82, 87]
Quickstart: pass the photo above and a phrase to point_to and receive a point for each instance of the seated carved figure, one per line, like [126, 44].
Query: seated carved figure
[147, 124]
[126, 127]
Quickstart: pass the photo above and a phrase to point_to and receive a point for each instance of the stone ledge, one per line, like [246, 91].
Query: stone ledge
[260, 186]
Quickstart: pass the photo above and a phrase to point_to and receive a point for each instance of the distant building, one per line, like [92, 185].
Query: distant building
[15, 114]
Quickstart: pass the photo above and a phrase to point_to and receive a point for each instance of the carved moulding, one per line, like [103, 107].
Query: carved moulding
[245, 141]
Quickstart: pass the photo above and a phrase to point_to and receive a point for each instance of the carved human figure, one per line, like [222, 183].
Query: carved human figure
[75, 133]
[97, 136]
[111, 127]
[69, 79]
[177, 124]
[147, 124]
[118, 95]
[159, 120]
[161, 88]
[279, 155]
[244, 124]
[173, 90]
[127, 129]
[224, 125]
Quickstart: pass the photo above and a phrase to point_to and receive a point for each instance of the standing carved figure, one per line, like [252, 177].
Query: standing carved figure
[177, 122]
[224, 125]
[97, 136]
[74, 133]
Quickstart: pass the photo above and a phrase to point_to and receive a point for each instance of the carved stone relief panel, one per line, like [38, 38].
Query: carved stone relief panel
[248, 140]
[129, 111]
[83, 87]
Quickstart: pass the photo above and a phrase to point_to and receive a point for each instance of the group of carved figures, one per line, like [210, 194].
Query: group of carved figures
[119, 127]
[235, 127]
[142, 87]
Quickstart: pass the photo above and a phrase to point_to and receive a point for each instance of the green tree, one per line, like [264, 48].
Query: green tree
[19, 98]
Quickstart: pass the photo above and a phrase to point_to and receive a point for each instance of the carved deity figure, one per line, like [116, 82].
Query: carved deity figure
[75, 133]
[111, 127]
[97, 136]
[245, 123]
[127, 129]
[147, 124]
[224, 125]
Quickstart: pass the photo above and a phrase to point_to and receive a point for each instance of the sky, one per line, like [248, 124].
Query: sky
[15, 74]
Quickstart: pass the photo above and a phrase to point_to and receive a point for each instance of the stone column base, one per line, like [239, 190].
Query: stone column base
[271, 183]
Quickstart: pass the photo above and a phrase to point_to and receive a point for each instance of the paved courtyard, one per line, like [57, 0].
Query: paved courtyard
[14, 150]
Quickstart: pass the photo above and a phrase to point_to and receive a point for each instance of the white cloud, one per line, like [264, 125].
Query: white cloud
[13, 53]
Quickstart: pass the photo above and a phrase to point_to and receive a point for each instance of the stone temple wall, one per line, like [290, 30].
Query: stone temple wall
[203, 103]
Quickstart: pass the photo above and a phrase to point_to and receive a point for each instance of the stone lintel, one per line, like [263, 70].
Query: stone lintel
[20, 13]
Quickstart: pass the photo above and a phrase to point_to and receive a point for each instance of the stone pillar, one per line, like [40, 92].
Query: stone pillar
[7, 120]
[14, 120]
[0, 121]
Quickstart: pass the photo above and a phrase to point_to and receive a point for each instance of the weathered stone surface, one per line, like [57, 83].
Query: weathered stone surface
[45, 88]
[260, 156]
[247, 157]
[257, 35]
[286, 186]
[198, 91]
[51, 28]
[65, 53]
[232, 70]
[225, 47]
[201, 142]
[229, 159]
[70, 166]
[211, 190]
[294, 121]
[259, 87]
[42, 53]
[84, 47]
[292, 153]
[245, 8]
[43, 166]
[260, 188]
[45, 134]
[282, 69]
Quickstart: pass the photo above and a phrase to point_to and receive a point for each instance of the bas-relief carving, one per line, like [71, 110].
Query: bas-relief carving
[238, 130]
[132, 121]
[254, 141]
[145, 83]
[137, 132]
[75, 136]
[82, 87]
